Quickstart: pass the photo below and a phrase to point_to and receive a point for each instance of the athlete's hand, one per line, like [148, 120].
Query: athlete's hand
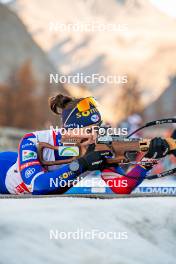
[158, 148]
[94, 160]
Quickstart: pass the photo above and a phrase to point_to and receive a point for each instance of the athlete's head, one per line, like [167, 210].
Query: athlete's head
[76, 112]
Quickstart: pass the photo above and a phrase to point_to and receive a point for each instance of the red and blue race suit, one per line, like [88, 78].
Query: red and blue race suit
[23, 173]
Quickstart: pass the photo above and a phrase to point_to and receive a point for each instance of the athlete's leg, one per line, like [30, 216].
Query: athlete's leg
[7, 159]
[9, 155]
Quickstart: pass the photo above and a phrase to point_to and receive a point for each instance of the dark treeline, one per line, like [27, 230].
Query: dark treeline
[22, 105]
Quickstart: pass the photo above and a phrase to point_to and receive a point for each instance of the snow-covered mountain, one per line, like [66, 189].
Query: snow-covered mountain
[17, 47]
[145, 48]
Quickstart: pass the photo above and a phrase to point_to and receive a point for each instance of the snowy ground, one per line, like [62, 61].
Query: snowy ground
[150, 224]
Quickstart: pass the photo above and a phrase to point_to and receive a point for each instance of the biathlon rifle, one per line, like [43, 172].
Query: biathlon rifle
[122, 147]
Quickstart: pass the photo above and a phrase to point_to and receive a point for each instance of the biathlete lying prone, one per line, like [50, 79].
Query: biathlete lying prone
[22, 172]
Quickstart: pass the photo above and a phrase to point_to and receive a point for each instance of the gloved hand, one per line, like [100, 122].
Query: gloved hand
[158, 148]
[94, 160]
[173, 152]
[174, 137]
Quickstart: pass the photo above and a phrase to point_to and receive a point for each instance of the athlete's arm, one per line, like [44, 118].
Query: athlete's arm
[126, 184]
[121, 184]
[34, 175]
[39, 181]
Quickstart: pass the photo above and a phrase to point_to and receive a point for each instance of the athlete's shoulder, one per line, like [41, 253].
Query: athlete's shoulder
[27, 140]
[43, 135]
[48, 136]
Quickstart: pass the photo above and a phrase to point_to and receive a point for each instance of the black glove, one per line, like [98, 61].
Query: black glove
[173, 152]
[174, 137]
[158, 148]
[94, 160]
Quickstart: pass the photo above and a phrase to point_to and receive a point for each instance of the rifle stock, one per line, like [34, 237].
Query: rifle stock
[120, 147]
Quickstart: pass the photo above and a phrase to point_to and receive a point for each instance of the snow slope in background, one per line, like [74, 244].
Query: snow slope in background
[145, 49]
[149, 222]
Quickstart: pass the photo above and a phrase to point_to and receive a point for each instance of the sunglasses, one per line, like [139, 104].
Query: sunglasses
[86, 103]
[83, 105]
